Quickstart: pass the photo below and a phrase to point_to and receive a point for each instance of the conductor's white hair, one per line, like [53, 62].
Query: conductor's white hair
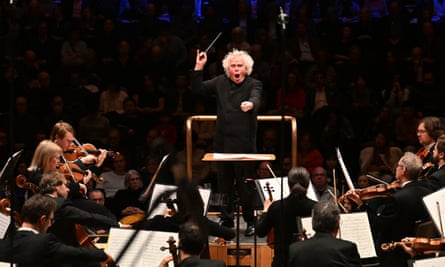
[235, 53]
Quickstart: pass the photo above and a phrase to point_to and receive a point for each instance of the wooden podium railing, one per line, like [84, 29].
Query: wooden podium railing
[277, 118]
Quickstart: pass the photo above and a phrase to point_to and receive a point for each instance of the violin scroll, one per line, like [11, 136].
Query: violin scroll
[173, 249]
[419, 245]
[21, 182]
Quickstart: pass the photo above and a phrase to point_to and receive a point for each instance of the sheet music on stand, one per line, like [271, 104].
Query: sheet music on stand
[5, 221]
[354, 227]
[158, 189]
[275, 188]
[145, 250]
[435, 204]
[433, 262]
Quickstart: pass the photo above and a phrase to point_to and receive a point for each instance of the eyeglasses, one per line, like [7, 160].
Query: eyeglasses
[421, 131]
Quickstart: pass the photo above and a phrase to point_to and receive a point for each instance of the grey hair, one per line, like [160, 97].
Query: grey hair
[298, 181]
[128, 175]
[235, 53]
[413, 165]
[325, 217]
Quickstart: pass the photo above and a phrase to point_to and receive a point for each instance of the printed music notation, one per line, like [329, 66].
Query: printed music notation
[142, 251]
[354, 227]
[5, 221]
[275, 188]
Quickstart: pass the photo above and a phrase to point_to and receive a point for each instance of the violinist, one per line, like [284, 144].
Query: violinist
[436, 180]
[398, 216]
[54, 186]
[428, 130]
[284, 222]
[62, 134]
[191, 243]
[46, 158]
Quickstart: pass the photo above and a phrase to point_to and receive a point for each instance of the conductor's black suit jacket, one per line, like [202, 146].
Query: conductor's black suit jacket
[323, 250]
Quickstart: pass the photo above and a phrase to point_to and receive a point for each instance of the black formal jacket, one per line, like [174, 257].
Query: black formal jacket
[398, 218]
[196, 262]
[235, 130]
[436, 180]
[283, 234]
[67, 215]
[35, 250]
[323, 250]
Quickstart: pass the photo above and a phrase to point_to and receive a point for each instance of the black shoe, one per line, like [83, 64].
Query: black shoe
[250, 231]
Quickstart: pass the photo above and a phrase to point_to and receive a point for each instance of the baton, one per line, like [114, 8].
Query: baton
[213, 42]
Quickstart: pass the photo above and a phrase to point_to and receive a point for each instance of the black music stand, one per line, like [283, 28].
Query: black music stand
[6, 175]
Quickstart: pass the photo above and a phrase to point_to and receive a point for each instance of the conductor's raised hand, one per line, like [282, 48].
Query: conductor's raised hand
[201, 59]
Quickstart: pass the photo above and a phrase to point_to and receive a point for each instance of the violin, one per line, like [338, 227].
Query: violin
[21, 182]
[420, 245]
[375, 191]
[78, 151]
[75, 173]
[173, 249]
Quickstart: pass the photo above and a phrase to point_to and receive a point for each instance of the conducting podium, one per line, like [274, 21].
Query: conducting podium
[238, 157]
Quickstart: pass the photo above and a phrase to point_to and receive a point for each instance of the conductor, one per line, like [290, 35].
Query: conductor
[238, 99]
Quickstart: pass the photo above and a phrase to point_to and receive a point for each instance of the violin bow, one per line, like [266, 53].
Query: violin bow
[144, 196]
[345, 171]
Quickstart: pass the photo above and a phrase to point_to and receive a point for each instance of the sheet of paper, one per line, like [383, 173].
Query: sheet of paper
[354, 227]
[225, 156]
[5, 221]
[144, 250]
[435, 204]
[275, 188]
[158, 189]
[433, 262]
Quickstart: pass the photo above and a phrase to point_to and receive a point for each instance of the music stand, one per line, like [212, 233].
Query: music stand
[6, 173]
[9, 166]
[232, 157]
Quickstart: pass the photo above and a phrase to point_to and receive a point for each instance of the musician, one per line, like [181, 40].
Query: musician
[324, 191]
[428, 130]
[324, 249]
[126, 201]
[282, 215]
[54, 186]
[399, 215]
[238, 98]
[46, 158]
[191, 244]
[436, 180]
[63, 133]
[189, 207]
[32, 246]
